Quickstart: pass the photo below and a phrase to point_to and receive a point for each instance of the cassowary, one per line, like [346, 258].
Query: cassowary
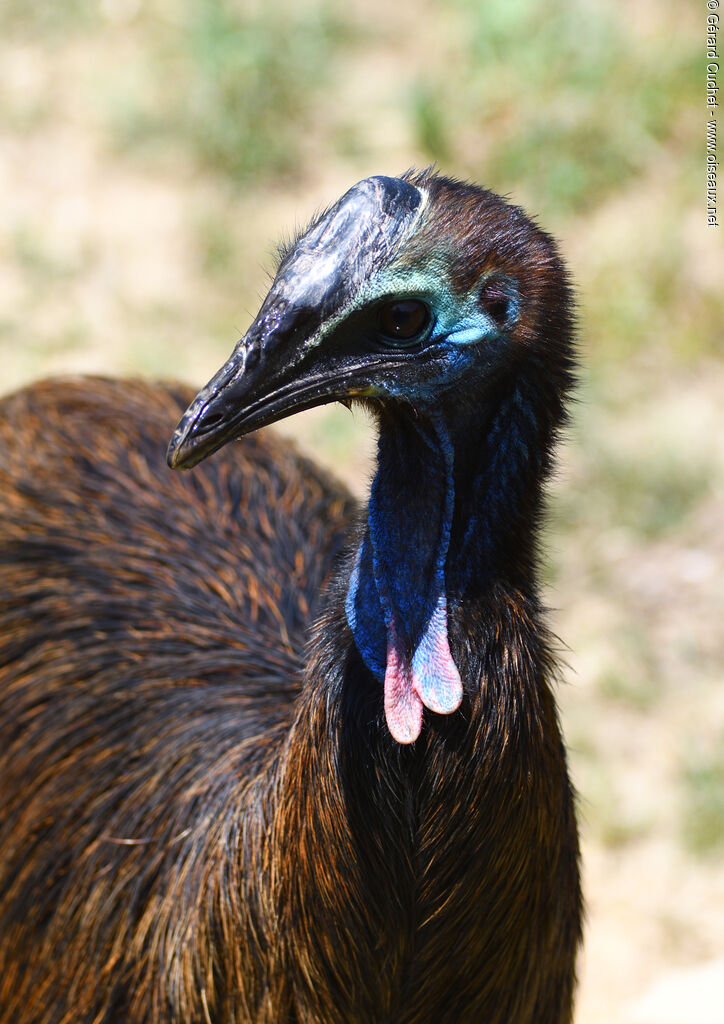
[265, 757]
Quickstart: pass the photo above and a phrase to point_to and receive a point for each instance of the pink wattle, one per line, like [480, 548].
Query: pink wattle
[435, 676]
[432, 679]
[403, 707]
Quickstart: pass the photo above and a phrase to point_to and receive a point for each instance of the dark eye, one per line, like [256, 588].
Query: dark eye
[498, 299]
[403, 322]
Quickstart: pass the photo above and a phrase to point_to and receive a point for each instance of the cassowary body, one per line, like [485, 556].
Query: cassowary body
[263, 758]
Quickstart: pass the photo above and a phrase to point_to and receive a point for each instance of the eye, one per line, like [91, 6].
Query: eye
[403, 322]
[498, 299]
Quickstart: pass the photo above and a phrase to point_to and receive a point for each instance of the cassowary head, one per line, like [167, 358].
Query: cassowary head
[447, 312]
[417, 291]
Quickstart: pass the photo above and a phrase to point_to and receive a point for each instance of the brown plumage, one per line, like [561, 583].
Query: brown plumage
[203, 816]
[137, 690]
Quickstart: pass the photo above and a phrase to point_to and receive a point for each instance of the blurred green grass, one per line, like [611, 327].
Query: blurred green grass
[566, 107]
[576, 107]
[703, 820]
[238, 85]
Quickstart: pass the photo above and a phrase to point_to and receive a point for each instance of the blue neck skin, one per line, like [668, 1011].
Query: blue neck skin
[399, 574]
[482, 492]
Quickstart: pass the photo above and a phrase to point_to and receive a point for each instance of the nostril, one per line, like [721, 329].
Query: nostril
[212, 419]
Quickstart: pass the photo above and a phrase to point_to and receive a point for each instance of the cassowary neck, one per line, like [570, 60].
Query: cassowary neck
[501, 460]
[477, 813]
[399, 575]
[453, 490]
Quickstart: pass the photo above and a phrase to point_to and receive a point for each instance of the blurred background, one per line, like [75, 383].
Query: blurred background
[152, 152]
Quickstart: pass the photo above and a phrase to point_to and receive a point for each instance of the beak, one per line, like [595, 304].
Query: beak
[283, 364]
[253, 389]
